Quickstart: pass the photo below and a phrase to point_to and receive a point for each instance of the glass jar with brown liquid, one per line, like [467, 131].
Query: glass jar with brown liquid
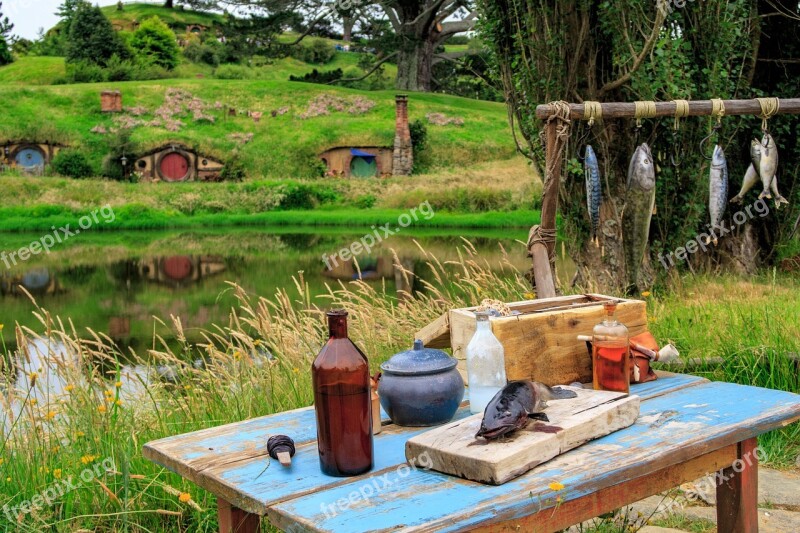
[342, 400]
[610, 353]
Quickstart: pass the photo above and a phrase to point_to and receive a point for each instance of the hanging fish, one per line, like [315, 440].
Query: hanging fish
[764, 154]
[640, 199]
[750, 179]
[717, 188]
[594, 195]
[778, 198]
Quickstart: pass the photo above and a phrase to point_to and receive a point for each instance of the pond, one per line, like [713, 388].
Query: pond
[117, 283]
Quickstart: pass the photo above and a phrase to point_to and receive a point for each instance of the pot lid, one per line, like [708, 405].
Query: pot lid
[418, 361]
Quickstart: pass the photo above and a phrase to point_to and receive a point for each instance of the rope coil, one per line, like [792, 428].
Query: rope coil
[593, 111]
[681, 111]
[537, 235]
[769, 108]
[644, 109]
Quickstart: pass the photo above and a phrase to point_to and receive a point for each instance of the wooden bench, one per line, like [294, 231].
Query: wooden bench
[688, 427]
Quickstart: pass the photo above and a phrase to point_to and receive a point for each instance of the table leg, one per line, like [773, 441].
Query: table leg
[737, 492]
[234, 520]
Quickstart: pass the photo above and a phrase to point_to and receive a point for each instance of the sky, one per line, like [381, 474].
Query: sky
[30, 15]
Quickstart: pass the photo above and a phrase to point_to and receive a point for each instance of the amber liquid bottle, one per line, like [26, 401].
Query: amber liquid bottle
[342, 400]
[610, 355]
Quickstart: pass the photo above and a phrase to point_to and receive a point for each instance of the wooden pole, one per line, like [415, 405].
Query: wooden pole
[543, 268]
[697, 108]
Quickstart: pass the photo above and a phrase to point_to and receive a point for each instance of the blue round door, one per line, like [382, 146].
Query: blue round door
[30, 158]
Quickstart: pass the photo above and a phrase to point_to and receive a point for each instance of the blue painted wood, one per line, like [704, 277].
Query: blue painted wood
[30, 158]
[672, 428]
[666, 382]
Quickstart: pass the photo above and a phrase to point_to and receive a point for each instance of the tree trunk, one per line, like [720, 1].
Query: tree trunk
[414, 63]
[347, 28]
[169, 4]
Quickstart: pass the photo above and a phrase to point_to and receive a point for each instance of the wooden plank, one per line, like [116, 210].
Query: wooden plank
[672, 429]
[610, 498]
[544, 269]
[453, 448]
[543, 346]
[437, 333]
[737, 495]
[788, 106]
[234, 520]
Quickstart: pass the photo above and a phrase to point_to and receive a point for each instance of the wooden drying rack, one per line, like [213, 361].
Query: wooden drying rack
[543, 249]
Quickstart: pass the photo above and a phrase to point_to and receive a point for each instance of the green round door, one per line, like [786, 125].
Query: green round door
[362, 167]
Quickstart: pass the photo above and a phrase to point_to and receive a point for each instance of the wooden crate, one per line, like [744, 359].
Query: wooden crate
[540, 343]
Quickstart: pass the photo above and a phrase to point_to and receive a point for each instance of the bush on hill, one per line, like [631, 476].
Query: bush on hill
[155, 43]
[92, 39]
[72, 164]
[314, 51]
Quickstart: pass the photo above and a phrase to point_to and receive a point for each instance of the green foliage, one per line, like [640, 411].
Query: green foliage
[72, 164]
[84, 72]
[210, 52]
[155, 43]
[305, 196]
[315, 51]
[92, 39]
[234, 72]
[366, 201]
[234, 169]
[5, 53]
[419, 135]
[315, 76]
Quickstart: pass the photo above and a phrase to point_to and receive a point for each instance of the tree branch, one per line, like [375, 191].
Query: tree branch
[373, 69]
[648, 45]
[460, 26]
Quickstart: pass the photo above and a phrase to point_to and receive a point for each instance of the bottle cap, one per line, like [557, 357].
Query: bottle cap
[610, 306]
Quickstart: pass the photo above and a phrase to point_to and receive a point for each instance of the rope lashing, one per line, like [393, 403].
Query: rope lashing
[593, 111]
[769, 107]
[681, 111]
[538, 235]
[717, 109]
[646, 109]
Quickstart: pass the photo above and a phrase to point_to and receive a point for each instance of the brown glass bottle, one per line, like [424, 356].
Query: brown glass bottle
[340, 375]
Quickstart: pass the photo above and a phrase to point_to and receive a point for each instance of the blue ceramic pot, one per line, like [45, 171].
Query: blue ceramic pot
[420, 387]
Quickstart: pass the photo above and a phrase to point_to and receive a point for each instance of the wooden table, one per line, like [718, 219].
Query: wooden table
[688, 427]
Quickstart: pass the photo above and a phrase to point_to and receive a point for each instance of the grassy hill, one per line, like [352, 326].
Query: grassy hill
[283, 146]
[177, 18]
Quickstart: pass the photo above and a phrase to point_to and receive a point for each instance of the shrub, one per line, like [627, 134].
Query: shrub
[156, 43]
[316, 51]
[316, 76]
[419, 135]
[72, 164]
[366, 201]
[5, 53]
[233, 72]
[209, 52]
[234, 169]
[85, 72]
[305, 196]
[120, 70]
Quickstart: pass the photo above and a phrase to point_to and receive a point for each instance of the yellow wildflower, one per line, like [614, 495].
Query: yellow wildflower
[530, 295]
[34, 401]
[101, 408]
[50, 415]
[57, 473]
[118, 403]
[296, 370]
[55, 449]
[32, 377]
[237, 354]
[79, 434]
[88, 458]
[556, 485]
[118, 384]
[8, 479]
[2, 460]
[69, 388]
[187, 387]
[185, 497]
[1, 327]
[645, 293]
[257, 342]
[652, 319]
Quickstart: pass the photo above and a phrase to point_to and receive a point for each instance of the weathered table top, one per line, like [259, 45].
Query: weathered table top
[682, 417]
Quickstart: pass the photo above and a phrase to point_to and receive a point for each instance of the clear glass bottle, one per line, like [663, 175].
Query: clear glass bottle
[342, 400]
[486, 364]
[611, 353]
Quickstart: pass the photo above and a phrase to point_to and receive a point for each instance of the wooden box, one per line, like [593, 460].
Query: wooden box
[540, 343]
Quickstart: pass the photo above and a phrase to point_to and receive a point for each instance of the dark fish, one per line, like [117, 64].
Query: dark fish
[594, 196]
[515, 405]
[717, 188]
[640, 198]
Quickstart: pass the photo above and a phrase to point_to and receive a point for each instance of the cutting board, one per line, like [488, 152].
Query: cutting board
[453, 448]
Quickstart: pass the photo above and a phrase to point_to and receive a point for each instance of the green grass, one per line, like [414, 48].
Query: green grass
[30, 70]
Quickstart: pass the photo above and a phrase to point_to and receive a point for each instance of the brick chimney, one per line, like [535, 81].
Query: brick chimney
[403, 156]
[111, 102]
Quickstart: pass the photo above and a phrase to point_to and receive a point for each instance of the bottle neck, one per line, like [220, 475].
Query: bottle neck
[482, 324]
[337, 325]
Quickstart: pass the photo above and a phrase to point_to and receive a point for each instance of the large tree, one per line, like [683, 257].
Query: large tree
[5, 35]
[626, 50]
[92, 38]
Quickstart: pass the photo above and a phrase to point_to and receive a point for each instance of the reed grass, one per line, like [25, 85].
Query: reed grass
[257, 363]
